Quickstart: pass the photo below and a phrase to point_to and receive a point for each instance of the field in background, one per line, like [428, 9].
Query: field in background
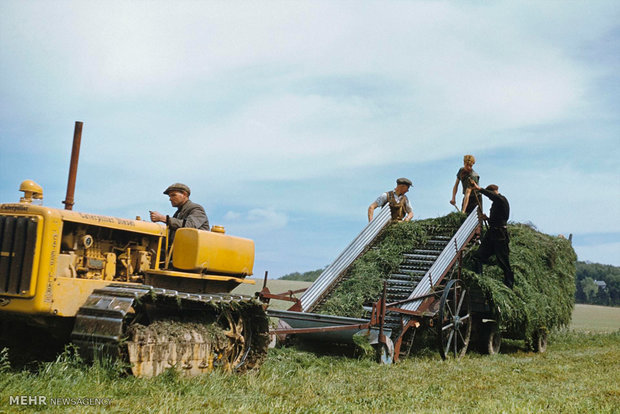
[594, 318]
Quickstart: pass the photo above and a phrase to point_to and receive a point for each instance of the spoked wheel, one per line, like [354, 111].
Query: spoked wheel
[235, 350]
[454, 320]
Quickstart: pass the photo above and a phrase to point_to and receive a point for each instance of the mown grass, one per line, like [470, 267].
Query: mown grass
[579, 373]
[594, 318]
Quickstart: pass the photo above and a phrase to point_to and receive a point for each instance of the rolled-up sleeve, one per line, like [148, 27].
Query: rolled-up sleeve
[381, 200]
[408, 206]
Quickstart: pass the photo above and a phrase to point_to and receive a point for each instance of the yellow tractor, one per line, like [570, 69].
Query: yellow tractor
[112, 286]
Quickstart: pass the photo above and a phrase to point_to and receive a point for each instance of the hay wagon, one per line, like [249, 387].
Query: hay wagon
[427, 287]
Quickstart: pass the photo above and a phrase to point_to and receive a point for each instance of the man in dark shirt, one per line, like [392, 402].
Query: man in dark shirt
[188, 214]
[495, 240]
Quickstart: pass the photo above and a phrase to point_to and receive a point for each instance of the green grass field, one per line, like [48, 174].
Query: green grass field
[580, 372]
[593, 318]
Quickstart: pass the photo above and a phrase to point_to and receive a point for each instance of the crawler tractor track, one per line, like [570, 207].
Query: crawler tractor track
[156, 329]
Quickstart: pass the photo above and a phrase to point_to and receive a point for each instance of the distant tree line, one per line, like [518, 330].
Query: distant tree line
[309, 276]
[598, 284]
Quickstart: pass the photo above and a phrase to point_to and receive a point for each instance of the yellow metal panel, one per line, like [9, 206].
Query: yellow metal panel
[46, 256]
[53, 295]
[137, 226]
[71, 293]
[200, 250]
[66, 295]
[201, 276]
[24, 306]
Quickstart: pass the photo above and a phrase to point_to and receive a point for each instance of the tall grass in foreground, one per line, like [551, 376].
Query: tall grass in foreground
[579, 373]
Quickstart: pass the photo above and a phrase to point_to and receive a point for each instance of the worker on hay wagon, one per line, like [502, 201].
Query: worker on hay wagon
[496, 239]
[465, 176]
[188, 214]
[398, 201]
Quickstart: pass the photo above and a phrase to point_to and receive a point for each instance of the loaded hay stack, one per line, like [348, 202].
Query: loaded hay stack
[544, 267]
[544, 291]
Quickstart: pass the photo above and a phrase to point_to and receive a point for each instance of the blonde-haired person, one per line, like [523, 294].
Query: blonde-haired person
[466, 175]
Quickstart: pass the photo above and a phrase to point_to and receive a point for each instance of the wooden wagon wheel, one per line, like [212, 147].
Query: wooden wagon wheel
[454, 320]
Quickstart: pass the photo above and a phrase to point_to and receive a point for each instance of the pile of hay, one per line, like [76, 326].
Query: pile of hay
[544, 268]
[544, 291]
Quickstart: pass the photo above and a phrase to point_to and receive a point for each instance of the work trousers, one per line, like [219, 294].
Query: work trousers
[495, 242]
[473, 202]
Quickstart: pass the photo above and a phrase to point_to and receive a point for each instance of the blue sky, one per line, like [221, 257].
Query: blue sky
[288, 118]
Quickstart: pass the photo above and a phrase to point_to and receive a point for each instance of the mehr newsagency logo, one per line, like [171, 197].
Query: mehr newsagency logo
[26, 400]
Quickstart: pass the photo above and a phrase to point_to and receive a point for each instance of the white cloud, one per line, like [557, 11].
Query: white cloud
[256, 220]
[225, 94]
[268, 217]
[441, 50]
[232, 216]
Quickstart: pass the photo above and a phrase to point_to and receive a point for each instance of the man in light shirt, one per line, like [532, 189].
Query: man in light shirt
[400, 206]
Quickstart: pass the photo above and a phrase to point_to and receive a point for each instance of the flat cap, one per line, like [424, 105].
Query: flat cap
[405, 181]
[177, 187]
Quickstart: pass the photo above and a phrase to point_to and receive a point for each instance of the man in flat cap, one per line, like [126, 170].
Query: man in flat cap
[496, 240]
[188, 214]
[398, 201]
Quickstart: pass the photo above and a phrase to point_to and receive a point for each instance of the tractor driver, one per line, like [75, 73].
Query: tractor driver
[398, 201]
[188, 214]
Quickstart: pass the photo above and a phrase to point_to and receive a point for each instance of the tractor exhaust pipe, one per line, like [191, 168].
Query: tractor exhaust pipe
[75, 155]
